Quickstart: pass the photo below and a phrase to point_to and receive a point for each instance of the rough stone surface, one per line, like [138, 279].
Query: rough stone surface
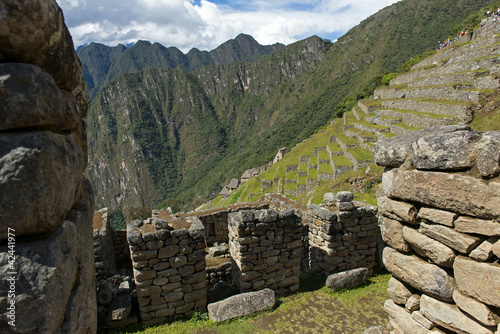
[437, 216]
[461, 242]
[240, 305]
[419, 274]
[402, 320]
[488, 159]
[392, 152]
[397, 210]
[477, 226]
[474, 308]
[392, 234]
[399, 293]
[485, 250]
[452, 192]
[465, 268]
[374, 330]
[347, 279]
[450, 317]
[445, 151]
[429, 248]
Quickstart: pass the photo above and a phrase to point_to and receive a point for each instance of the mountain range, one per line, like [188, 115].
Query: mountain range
[169, 129]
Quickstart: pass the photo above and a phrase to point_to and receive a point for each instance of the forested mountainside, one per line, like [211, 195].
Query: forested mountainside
[163, 135]
[101, 63]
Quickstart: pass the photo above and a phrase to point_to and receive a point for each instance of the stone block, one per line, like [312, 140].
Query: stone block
[475, 308]
[178, 261]
[240, 305]
[450, 317]
[419, 317]
[419, 274]
[485, 250]
[347, 279]
[398, 292]
[174, 296]
[478, 280]
[488, 159]
[429, 248]
[402, 320]
[413, 303]
[477, 226]
[437, 216]
[392, 234]
[397, 210]
[461, 242]
[344, 196]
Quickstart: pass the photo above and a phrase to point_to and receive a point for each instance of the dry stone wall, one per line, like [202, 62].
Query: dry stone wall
[440, 218]
[265, 249]
[45, 201]
[169, 267]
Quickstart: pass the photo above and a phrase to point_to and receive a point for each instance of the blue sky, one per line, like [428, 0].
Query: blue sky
[205, 24]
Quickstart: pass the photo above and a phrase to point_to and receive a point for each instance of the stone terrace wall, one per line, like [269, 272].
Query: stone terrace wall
[265, 250]
[44, 197]
[169, 267]
[440, 209]
[104, 251]
[337, 236]
[215, 221]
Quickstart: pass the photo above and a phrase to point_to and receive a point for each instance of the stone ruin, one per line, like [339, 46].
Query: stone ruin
[439, 208]
[46, 203]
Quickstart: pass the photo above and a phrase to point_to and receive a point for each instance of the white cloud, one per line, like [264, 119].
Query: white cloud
[206, 24]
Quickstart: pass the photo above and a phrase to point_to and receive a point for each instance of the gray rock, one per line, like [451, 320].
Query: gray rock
[451, 192]
[478, 280]
[402, 320]
[397, 209]
[218, 250]
[347, 279]
[488, 159]
[266, 216]
[374, 330]
[344, 196]
[322, 213]
[437, 216]
[345, 206]
[240, 305]
[120, 307]
[429, 248]
[392, 234]
[477, 226]
[419, 274]
[446, 151]
[392, 152]
[475, 308]
[329, 199]
[398, 292]
[450, 237]
[196, 230]
[450, 317]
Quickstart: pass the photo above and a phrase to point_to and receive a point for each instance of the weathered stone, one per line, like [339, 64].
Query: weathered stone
[347, 279]
[142, 275]
[478, 280]
[402, 320]
[475, 308]
[413, 303]
[154, 244]
[196, 230]
[488, 159]
[392, 152]
[461, 242]
[392, 234]
[485, 250]
[218, 250]
[374, 330]
[397, 210]
[419, 274]
[322, 213]
[43, 168]
[419, 317]
[266, 216]
[174, 296]
[168, 251]
[194, 278]
[144, 255]
[437, 216]
[329, 199]
[345, 206]
[120, 306]
[445, 151]
[496, 249]
[179, 233]
[398, 292]
[240, 305]
[450, 317]
[477, 226]
[428, 247]
[344, 196]
[178, 261]
[452, 192]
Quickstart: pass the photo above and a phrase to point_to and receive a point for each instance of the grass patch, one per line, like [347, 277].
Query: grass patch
[347, 140]
[334, 147]
[360, 153]
[312, 174]
[323, 155]
[341, 161]
[292, 175]
[325, 168]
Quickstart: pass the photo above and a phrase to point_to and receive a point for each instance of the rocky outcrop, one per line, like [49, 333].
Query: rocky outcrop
[442, 256]
[46, 204]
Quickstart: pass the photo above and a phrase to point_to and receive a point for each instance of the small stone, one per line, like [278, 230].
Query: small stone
[345, 206]
[398, 292]
[413, 303]
[344, 196]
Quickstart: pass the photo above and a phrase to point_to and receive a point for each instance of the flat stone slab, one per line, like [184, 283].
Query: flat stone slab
[347, 279]
[218, 250]
[240, 305]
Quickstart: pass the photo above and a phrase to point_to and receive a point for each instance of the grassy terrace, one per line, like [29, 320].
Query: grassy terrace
[347, 140]
[323, 155]
[359, 111]
[360, 153]
[407, 127]
[325, 168]
[334, 147]
[349, 118]
[312, 174]
[365, 134]
[374, 126]
[341, 161]
[419, 113]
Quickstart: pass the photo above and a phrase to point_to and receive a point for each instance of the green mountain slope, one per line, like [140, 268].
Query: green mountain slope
[168, 134]
[101, 64]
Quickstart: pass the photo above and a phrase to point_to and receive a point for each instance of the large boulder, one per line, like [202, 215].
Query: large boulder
[347, 279]
[240, 305]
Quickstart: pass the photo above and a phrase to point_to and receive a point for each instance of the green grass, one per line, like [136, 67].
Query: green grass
[360, 154]
[313, 161]
[334, 147]
[347, 140]
[323, 155]
[292, 175]
[341, 161]
[312, 174]
[291, 186]
[426, 114]
[303, 168]
[325, 168]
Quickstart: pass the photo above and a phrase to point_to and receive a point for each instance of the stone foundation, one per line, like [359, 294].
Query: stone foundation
[439, 216]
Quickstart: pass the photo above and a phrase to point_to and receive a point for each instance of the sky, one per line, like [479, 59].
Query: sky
[206, 24]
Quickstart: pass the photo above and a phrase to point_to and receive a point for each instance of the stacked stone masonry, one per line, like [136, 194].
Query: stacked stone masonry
[265, 250]
[169, 267]
[439, 216]
[45, 199]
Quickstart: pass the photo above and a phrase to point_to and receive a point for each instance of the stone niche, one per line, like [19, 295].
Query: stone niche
[168, 260]
[439, 206]
[265, 250]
